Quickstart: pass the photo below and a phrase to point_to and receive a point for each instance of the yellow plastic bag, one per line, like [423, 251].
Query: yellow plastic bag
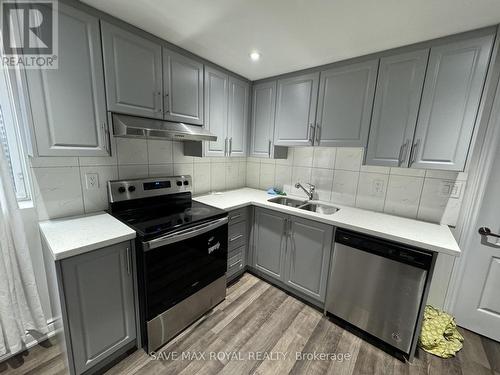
[439, 334]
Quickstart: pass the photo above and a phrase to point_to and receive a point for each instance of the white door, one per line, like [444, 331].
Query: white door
[477, 306]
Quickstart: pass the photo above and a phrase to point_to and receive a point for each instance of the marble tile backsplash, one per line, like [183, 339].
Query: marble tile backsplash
[340, 177]
[60, 184]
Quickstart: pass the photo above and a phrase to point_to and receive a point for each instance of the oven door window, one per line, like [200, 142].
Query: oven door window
[176, 271]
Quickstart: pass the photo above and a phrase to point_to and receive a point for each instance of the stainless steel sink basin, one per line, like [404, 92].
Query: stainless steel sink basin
[287, 201]
[319, 208]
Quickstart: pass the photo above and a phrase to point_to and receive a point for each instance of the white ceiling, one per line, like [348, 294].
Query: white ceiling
[296, 34]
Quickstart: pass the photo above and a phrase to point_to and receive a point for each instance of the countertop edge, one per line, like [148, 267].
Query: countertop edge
[312, 216]
[91, 247]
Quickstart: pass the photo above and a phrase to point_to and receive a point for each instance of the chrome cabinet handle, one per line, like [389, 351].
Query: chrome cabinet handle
[413, 153]
[128, 260]
[285, 227]
[225, 147]
[402, 152]
[234, 217]
[318, 133]
[105, 133]
[237, 237]
[269, 148]
[230, 146]
[485, 231]
[311, 133]
[165, 102]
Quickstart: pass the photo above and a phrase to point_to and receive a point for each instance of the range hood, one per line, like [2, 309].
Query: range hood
[139, 127]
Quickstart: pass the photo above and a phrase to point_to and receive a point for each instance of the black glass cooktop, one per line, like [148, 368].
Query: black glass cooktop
[155, 218]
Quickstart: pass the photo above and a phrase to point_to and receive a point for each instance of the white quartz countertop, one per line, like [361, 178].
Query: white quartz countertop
[434, 237]
[71, 236]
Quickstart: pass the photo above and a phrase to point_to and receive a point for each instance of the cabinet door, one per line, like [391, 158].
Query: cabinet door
[98, 288]
[263, 111]
[269, 242]
[397, 98]
[450, 102]
[216, 103]
[308, 256]
[239, 97]
[183, 88]
[133, 73]
[345, 104]
[68, 103]
[296, 110]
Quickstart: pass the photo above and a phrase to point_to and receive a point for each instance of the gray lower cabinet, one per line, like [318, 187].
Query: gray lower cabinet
[98, 297]
[238, 111]
[292, 250]
[395, 110]
[68, 103]
[216, 108]
[296, 110]
[237, 242]
[269, 242]
[183, 88]
[308, 256]
[450, 102]
[133, 72]
[345, 104]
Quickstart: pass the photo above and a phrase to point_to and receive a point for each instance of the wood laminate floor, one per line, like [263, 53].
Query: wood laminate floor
[259, 329]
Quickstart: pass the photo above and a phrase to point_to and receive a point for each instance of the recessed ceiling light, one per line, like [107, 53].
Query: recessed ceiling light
[255, 56]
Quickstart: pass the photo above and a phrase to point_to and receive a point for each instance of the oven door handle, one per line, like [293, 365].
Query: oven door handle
[184, 234]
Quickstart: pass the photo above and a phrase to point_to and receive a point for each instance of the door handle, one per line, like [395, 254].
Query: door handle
[269, 149]
[485, 231]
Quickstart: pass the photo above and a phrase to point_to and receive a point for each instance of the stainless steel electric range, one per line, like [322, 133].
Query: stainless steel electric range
[181, 252]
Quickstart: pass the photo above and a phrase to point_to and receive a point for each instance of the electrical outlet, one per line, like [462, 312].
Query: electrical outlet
[378, 187]
[92, 181]
[451, 189]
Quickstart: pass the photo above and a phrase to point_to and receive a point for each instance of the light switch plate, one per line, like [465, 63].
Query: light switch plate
[92, 181]
[378, 187]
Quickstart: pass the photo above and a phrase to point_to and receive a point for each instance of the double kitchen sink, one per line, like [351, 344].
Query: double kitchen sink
[305, 205]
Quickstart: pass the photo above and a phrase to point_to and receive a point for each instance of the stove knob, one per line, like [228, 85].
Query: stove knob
[186, 182]
[121, 190]
[131, 188]
[179, 183]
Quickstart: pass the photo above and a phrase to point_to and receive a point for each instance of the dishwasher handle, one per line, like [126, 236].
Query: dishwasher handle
[385, 248]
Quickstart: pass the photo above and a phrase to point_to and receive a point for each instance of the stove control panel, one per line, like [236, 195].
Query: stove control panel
[122, 190]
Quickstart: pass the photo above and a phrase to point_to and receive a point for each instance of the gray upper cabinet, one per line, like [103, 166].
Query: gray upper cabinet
[308, 255]
[68, 103]
[395, 111]
[345, 104]
[183, 88]
[263, 111]
[216, 108]
[99, 300]
[450, 102]
[296, 110]
[237, 127]
[133, 71]
[269, 242]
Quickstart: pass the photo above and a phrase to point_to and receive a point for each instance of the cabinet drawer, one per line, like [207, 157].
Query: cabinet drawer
[238, 215]
[237, 235]
[236, 261]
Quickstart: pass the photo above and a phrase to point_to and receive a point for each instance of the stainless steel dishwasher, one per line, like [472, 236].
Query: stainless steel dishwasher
[379, 287]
